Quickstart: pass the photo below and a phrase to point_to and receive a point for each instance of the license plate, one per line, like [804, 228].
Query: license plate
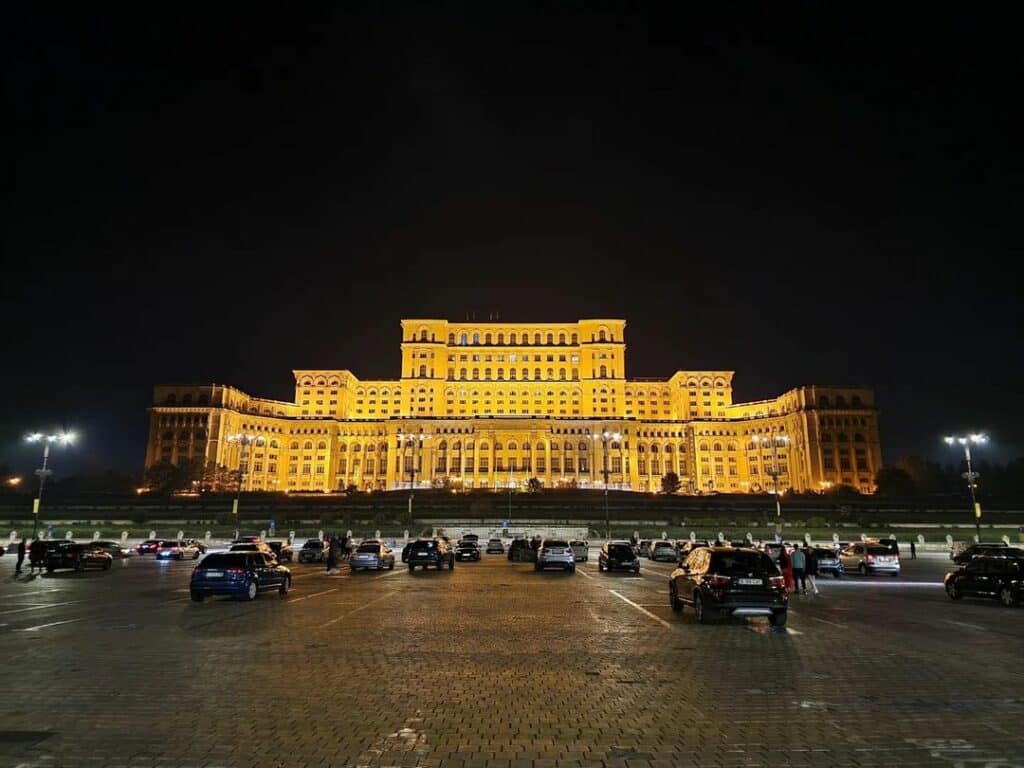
[422, 554]
[214, 574]
[751, 582]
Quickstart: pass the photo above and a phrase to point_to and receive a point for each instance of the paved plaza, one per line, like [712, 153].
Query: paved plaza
[496, 665]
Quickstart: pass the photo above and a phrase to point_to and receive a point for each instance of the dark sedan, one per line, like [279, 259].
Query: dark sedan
[77, 557]
[114, 548]
[313, 551]
[990, 576]
[427, 552]
[149, 546]
[239, 574]
[985, 548]
[467, 550]
[618, 556]
[726, 581]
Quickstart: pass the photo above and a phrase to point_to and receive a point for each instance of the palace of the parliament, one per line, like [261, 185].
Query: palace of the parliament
[485, 405]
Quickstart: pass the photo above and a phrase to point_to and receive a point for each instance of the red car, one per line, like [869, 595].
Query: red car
[149, 546]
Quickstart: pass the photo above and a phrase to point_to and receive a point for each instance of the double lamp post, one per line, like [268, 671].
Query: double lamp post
[61, 438]
[965, 442]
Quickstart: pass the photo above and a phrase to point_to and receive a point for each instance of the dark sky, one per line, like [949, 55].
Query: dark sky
[814, 193]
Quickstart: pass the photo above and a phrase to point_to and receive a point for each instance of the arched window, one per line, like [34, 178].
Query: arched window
[536, 373]
[186, 400]
[641, 448]
[582, 446]
[462, 373]
[476, 338]
[823, 401]
[487, 338]
[487, 374]
[501, 338]
[511, 338]
[551, 338]
[512, 373]
[561, 338]
[858, 437]
[855, 401]
[604, 372]
[840, 401]
[273, 444]
[536, 338]
[654, 448]
[483, 445]
[451, 339]
[501, 374]
[423, 371]
[703, 446]
[423, 334]
[308, 445]
[357, 448]
[512, 446]
[551, 373]
[463, 339]
[575, 338]
[171, 399]
[717, 447]
[342, 448]
[668, 449]
[321, 446]
[457, 445]
[601, 335]
[843, 438]
[294, 445]
[443, 445]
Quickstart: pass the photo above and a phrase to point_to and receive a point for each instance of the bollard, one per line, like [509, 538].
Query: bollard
[949, 540]
[750, 539]
[406, 534]
[1006, 540]
[693, 536]
[348, 534]
[664, 535]
[14, 535]
[320, 535]
[181, 535]
[236, 533]
[835, 538]
[68, 535]
[376, 534]
[263, 534]
[95, 535]
[863, 537]
[124, 536]
[807, 539]
[721, 536]
[291, 537]
[920, 538]
[152, 534]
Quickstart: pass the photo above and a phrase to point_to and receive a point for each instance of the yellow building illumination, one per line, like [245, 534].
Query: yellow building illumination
[485, 405]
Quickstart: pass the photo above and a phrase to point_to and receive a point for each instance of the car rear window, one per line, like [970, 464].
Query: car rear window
[879, 551]
[556, 543]
[223, 560]
[312, 544]
[422, 545]
[373, 548]
[734, 563]
[620, 550]
[663, 545]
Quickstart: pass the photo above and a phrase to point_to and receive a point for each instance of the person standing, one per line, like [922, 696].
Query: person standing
[21, 555]
[913, 550]
[35, 555]
[799, 560]
[786, 564]
[332, 555]
[812, 569]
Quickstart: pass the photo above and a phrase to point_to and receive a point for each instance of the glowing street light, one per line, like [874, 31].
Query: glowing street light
[966, 441]
[60, 438]
[604, 437]
[415, 440]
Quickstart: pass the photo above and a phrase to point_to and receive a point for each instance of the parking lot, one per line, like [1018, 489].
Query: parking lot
[495, 664]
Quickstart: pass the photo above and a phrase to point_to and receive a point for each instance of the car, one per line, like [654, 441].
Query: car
[829, 562]
[618, 556]
[239, 574]
[313, 551]
[686, 546]
[729, 581]
[254, 539]
[520, 551]
[580, 550]
[495, 547]
[475, 538]
[467, 550]
[427, 552]
[149, 546]
[774, 548]
[992, 576]
[177, 549]
[555, 552]
[114, 548]
[78, 557]
[662, 550]
[282, 551]
[985, 548]
[257, 546]
[866, 558]
[376, 555]
[643, 548]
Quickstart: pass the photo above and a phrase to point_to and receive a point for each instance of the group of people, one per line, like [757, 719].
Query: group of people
[36, 552]
[799, 569]
[338, 551]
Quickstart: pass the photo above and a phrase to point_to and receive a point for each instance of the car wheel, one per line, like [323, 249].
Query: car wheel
[79, 565]
[391, 565]
[411, 567]
[197, 597]
[107, 564]
[572, 569]
[636, 571]
[778, 619]
[837, 575]
[251, 591]
[953, 590]
[285, 586]
[673, 598]
[536, 566]
[698, 609]
[862, 569]
[451, 564]
[196, 555]
[1006, 597]
[600, 568]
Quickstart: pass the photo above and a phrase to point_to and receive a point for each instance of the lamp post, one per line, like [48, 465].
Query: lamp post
[412, 439]
[966, 441]
[62, 438]
[243, 441]
[604, 437]
[775, 441]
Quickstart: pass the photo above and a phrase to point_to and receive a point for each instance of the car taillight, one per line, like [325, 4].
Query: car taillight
[870, 558]
[779, 582]
[718, 581]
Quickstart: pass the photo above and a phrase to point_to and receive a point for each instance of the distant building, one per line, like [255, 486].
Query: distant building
[482, 405]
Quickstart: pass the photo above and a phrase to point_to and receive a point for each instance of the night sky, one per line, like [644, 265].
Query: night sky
[816, 193]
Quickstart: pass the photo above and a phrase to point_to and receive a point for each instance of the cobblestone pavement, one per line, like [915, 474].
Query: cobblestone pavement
[496, 665]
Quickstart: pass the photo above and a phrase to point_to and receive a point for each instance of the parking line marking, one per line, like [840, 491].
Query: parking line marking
[581, 572]
[963, 624]
[790, 631]
[44, 626]
[39, 607]
[355, 610]
[315, 594]
[29, 594]
[643, 610]
[826, 621]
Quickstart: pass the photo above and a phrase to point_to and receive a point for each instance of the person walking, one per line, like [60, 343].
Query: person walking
[913, 550]
[21, 556]
[786, 564]
[799, 560]
[812, 569]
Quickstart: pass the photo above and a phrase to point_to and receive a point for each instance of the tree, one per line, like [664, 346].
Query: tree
[165, 478]
[534, 485]
[893, 481]
[670, 483]
[842, 490]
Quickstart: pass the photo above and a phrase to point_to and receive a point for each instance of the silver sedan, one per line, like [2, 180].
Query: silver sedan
[377, 556]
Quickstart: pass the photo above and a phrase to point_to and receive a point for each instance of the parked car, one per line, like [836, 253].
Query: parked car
[729, 581]
[377, 556]
[580, 550]
[257, 546]
[685, 546]
[113, 548]
[313, 551]
[239, 574]
[985, 548]
[149, 546]
[254, 539]
[618, 556]
[177, 549]
[520, 551]
[427, 552]
[555, 553]
[829, 562]
[467, 550]
[990, 576]
[866, 558]
[662, 550]
[774, 548]
[495, 547]
[475, 538]
[77, 557]
[282, 551]
[643, 547]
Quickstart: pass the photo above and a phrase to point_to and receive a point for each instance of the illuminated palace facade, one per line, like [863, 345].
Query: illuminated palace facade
[486, 405]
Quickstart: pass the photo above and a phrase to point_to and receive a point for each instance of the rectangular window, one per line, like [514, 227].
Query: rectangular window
[616, 464]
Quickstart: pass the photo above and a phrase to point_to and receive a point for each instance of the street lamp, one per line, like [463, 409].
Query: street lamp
[970, 475]
[604, 437]
[242, 441]
[61, 438]
[414, 440]
[775, 441]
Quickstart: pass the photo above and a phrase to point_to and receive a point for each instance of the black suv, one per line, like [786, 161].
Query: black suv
[618, 556]
[988, 576]
[467, 550]
[77, 557]
[426, 552]
[520, 551]
[729, 581]
[987, 548]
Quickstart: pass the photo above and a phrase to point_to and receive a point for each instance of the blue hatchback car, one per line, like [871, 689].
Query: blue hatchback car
[239, 574]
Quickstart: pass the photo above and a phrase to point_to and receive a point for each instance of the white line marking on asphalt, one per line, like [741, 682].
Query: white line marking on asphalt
[793, 631]
[44, 626]
[29, 594]
[883, 584]
[392, 572]
[315, 594]
[38, 607]
[581, 572]
[963, 624]
[355, 610]
[642, 610]
[826, 621]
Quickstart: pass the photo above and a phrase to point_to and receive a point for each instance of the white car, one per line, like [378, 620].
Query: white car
[580, 550]
[662, 549]
[170, 549]
[867, 557]
[555, 552]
